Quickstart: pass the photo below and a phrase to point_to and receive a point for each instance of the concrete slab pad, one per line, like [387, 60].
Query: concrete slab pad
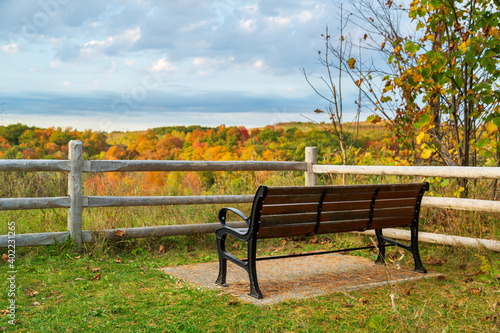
[300, 277]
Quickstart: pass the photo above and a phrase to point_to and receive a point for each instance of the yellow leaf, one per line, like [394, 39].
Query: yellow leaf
[423, 137]
[374, 119]
[491, 128]
[463, 47]
[426, 153]
[351, 63]
[494, 32]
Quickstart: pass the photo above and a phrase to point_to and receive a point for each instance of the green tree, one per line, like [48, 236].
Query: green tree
[439, 91]
[13, 132]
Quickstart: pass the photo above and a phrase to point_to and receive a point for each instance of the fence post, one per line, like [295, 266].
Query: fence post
[75, 192]
[311, 158]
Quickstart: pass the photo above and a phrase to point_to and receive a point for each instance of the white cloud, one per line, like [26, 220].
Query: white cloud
[55, 63]
[305, 16]
[259, 64]
[211, 62]
[10, 49]
[112, 43]
[163, 65]
[66, 83]
[192, 26]
[280, 21]
[249, 25]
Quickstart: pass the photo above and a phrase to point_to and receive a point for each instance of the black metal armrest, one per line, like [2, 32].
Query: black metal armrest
[222, 218]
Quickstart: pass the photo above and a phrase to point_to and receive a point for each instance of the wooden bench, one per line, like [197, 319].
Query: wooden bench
[309, 210]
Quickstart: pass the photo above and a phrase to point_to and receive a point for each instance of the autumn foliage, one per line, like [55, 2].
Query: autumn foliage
[282, 142]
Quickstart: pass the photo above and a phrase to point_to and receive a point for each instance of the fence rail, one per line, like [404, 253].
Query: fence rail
[34, 165]
[424, 171]
[76, 201]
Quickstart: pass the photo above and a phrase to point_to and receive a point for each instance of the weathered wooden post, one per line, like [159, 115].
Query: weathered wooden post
[75, 192]
[311, 158]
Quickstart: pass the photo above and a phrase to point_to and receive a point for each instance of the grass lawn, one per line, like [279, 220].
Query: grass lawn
[116, 287]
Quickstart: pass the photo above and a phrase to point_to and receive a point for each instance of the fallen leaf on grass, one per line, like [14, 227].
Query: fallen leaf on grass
[118, 260]
[97, 277]
[436, 262]
[363, 300]
[32, 293]
[190, 249]
[479, 272]
[78, 257]
[4, 312]
[236, 245]
[468, 279]
[474, 291]
[161, 249]
[441, 277]
[232, 302]
[5, 257]
[94, 270]
[35, 304]
[348, 305]
[78, 279]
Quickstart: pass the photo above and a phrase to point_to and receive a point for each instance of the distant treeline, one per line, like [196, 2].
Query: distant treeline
[283, 142]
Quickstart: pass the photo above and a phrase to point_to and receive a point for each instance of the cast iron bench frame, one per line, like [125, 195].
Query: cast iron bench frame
[287, 211]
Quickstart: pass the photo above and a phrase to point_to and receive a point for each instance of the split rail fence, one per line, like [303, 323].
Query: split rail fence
[76, 201]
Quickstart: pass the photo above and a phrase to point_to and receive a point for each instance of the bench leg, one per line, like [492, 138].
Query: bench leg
[419, 267]
[381, 248]
[221, 248]
[252, 270]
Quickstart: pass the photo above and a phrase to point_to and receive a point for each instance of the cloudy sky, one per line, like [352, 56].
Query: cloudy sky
[136, 64]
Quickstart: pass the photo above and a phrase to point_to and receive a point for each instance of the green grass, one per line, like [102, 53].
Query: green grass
[58, 291]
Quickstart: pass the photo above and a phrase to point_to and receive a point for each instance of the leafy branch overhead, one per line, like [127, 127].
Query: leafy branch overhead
[439, 75]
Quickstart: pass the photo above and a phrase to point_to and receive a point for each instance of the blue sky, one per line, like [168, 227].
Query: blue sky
[136, 64]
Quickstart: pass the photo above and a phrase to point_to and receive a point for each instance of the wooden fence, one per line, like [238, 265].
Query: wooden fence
[76, 201]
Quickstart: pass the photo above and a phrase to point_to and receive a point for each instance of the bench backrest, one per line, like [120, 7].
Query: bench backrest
[306, 210]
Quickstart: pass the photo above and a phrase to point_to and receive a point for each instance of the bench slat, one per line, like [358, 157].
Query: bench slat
[281, 190]
[335, 206]
[337, 196]
[347, 215]
[359, 225]
[328, 227]
[289, 209]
